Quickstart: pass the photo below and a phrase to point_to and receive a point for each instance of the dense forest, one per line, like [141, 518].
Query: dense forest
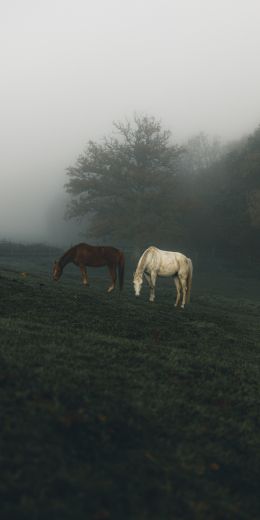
[138, 188]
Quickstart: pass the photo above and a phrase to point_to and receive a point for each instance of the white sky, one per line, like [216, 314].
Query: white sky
[69, 68]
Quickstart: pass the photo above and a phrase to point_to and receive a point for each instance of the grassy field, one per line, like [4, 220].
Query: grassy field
[115, 408]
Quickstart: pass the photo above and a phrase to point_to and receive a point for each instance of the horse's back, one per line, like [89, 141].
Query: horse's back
[96, 255]
[166, 262]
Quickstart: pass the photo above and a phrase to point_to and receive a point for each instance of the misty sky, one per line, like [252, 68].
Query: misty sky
[69, 68]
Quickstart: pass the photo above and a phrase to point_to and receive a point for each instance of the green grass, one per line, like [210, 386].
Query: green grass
[115, 408]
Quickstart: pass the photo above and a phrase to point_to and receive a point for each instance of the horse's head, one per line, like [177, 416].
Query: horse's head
[138, 280]
[56, 271]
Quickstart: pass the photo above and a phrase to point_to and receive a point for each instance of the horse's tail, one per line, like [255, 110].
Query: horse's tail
[189, 280]
[121, 269]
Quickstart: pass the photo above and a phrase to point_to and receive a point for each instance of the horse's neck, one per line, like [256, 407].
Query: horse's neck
[65, 259]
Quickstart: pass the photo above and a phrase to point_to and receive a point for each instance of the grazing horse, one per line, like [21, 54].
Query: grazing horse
[83, 255]
[155, 262]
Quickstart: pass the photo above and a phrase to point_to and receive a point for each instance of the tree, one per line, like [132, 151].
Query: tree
[201, 152]
[126, 186]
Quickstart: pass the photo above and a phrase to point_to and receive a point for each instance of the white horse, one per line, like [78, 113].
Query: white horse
[155, 262]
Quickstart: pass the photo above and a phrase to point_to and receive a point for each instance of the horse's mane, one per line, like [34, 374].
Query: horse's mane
[72, 249]
[142, 261]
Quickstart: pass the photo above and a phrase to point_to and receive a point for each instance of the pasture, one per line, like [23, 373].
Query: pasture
[116, 408]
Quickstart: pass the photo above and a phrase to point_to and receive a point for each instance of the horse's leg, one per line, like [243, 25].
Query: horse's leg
[178, 289]
[183, 280]
[153, 277]
[112, 271]
[84, 275]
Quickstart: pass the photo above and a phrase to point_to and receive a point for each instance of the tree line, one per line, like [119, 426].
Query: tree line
[138, 188]
[8, 248]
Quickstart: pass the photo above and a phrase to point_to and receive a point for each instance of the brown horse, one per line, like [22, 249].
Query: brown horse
[84, 255]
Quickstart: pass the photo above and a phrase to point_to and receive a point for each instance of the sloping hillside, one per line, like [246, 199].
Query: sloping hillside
[115, 408]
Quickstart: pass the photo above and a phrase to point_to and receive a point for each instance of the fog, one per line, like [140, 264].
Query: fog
[69, 68]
